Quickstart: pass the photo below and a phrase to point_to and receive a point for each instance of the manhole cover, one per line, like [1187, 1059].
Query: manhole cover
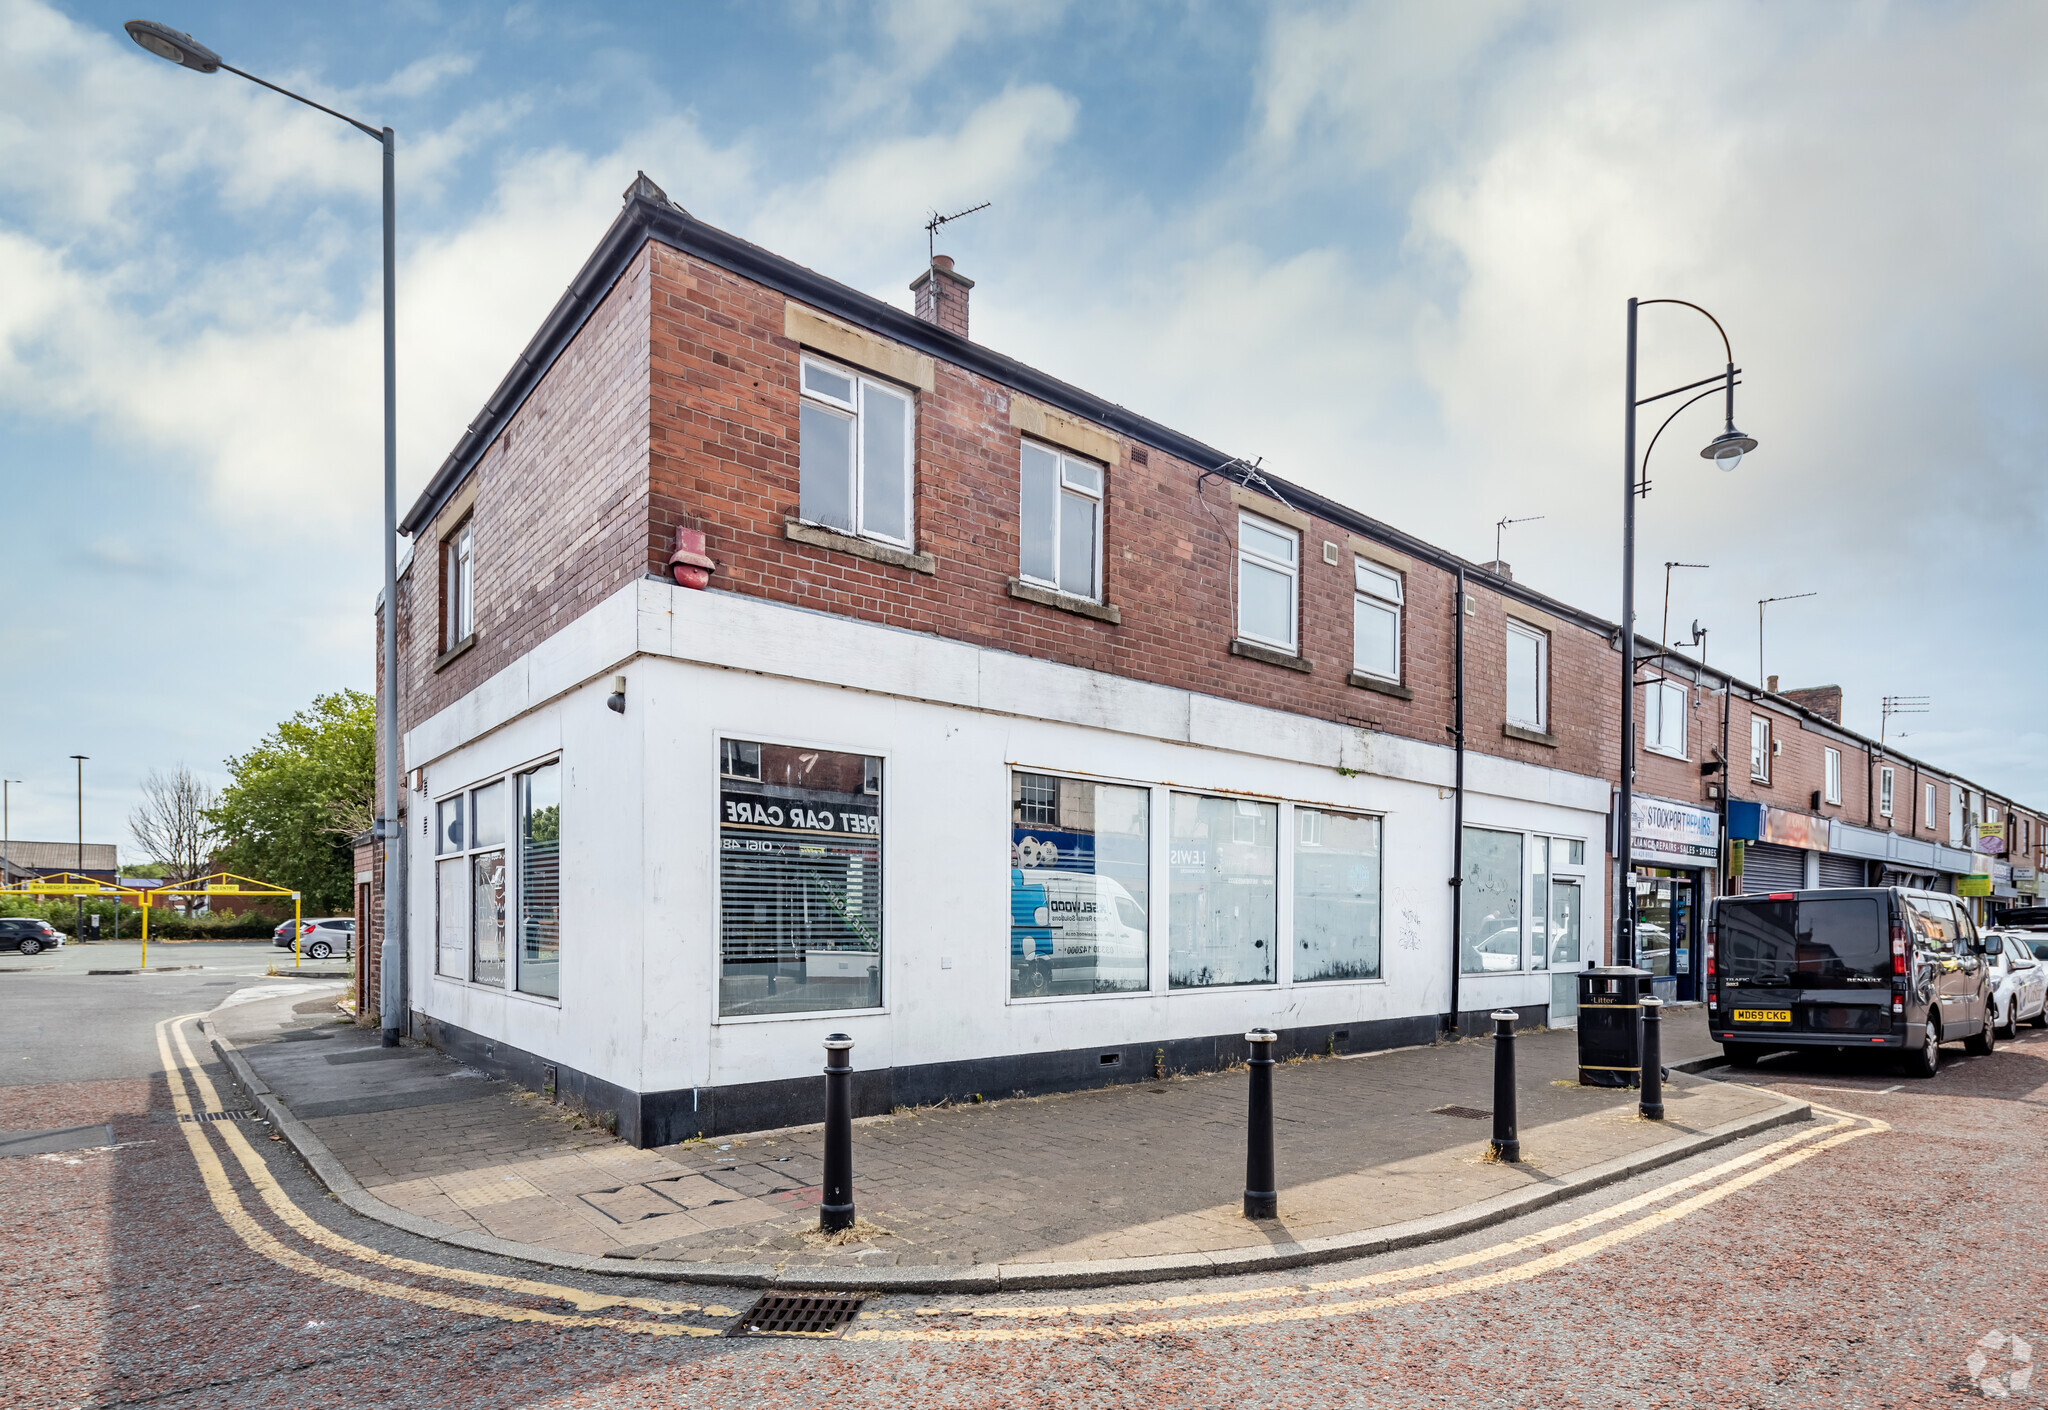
[1470, 1113]
[787, 1315]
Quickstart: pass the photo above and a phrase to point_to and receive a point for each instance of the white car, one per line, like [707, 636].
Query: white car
[2020, 980]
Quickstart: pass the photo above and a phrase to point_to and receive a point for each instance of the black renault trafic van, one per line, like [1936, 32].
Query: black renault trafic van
[1851, 967]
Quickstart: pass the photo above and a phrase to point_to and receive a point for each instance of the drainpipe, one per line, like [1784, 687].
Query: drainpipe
[1457, 803]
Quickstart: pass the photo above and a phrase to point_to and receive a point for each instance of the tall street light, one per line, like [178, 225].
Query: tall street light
[183, 49]
[1725, 450]
[6, 833]
[78, 932]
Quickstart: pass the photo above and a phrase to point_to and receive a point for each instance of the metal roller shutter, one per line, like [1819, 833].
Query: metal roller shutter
[1843, 871]
[1769, 867]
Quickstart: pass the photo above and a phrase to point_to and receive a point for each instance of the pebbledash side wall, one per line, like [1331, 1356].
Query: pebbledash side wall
[636, 1029]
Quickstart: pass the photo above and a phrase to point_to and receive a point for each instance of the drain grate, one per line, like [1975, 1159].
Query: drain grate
[220, 1116]
[786, 1315]
[1470, 1113]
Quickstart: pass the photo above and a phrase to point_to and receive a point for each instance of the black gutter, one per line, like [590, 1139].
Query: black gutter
[1457, 808]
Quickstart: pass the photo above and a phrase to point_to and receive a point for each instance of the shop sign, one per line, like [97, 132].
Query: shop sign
[2001, 873]
[1991, 838]
[1795, 830]
[1663, 830]
[834, 817]
[2020, 874]
[1973, 886]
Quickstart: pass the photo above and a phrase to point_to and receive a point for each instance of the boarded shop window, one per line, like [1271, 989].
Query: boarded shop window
[800, 884]
[1080, 893]
[1223, 854]
[540, 881]
[1336, 895]
[1490, 930]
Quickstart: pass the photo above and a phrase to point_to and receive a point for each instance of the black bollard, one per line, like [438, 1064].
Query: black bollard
[836, 1210]
[1507, 1145]
[1652, 1103]
[1261, 1200]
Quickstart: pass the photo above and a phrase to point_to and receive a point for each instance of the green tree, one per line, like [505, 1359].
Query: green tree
[299, 796]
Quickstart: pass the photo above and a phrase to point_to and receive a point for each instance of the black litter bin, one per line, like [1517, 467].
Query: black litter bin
[1611, 1025]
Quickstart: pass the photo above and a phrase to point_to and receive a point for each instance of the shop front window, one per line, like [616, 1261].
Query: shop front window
[1223, 854]
[800, 881]
[1490, 930]
[1336, 895]
[1080, 893]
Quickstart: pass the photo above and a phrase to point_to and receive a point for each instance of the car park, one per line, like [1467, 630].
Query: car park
[2021, 980]
[29, 936]
[1883, 968]
[319, 938]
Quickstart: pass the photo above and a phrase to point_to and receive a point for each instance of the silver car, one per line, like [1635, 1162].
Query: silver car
[319, 938]
[2020, 979]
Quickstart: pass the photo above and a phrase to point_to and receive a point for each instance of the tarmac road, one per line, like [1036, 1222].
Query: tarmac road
[1862, 1258]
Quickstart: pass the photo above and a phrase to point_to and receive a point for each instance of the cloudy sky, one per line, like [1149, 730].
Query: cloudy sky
[1385, 247]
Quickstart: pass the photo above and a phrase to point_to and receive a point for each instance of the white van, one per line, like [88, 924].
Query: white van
[1098, 934]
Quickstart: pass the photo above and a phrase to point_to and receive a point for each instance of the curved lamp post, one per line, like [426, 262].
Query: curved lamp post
[1725, 450]
[182, 49]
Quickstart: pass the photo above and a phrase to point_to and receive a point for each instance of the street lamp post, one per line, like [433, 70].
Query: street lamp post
[6, 833]
[182, 49]
[78, 932]
[1725, 450]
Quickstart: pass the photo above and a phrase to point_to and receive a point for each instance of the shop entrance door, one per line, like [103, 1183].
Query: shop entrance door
[1666, 919]
[1565, 961]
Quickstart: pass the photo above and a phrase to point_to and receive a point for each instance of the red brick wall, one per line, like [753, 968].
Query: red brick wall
[724, 459]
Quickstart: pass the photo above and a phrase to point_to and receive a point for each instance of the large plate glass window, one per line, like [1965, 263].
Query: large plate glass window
[1080, 893]
[1060, 500]
[1336, 895]
[1528, 651]
[1664, 711]
[451, 887]
[540, 881]
[470, 885]
[1376, 621]
[1223, 916]
[800, 880]
[1267, 566]
[1490, 927]
[858, 437]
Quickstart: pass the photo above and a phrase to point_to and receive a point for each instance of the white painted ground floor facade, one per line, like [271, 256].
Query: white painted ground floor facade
[994, 873]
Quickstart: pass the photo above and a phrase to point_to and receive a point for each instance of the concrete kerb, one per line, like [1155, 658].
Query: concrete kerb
[1006, 1277]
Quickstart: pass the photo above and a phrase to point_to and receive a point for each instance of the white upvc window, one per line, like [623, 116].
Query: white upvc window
[1268, 571]
[1528, 685]
[1664, 711]
[1927, 812]
[1831, 760]
[458, 586]
[1759, 748]
[1376, 621]
[1060, 531]
[858, 439]
[1955, 816]
[1884, 791]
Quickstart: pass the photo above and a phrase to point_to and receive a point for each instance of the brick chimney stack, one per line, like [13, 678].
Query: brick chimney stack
[942, 295]
[1823, 700]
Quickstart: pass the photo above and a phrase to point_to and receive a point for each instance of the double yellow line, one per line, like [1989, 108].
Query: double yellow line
[228, 1203]
[1135, 1317]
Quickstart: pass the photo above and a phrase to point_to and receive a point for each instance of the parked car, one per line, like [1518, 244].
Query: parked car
[2021, 978]
[1853, 967]
[319, 938]
[31, 937]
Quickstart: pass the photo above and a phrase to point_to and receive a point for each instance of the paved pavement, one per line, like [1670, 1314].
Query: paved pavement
[1103, 1182]
[1884, 1253]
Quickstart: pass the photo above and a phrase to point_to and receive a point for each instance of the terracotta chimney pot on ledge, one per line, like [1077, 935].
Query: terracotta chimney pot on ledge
[689, 564]
[942, 295]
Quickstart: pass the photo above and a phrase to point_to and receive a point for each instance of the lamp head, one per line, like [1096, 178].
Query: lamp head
[175, 45]
[1727, 449]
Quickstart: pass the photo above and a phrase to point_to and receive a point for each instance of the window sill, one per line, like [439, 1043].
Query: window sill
[448, 656]
[1374, 683]
[1252, 651]
[1667, 753]
[1065, 602]
[819, 537]
[1531, 736]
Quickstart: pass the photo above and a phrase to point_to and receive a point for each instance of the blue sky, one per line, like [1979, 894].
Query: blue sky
[1385, 247]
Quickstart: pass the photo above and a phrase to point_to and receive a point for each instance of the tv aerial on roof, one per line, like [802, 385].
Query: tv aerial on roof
[931, 228]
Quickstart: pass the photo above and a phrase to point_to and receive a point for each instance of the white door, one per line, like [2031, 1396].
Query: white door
[1565, 961]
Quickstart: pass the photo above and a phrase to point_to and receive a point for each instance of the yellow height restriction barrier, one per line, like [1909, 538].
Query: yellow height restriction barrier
[220, 883]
